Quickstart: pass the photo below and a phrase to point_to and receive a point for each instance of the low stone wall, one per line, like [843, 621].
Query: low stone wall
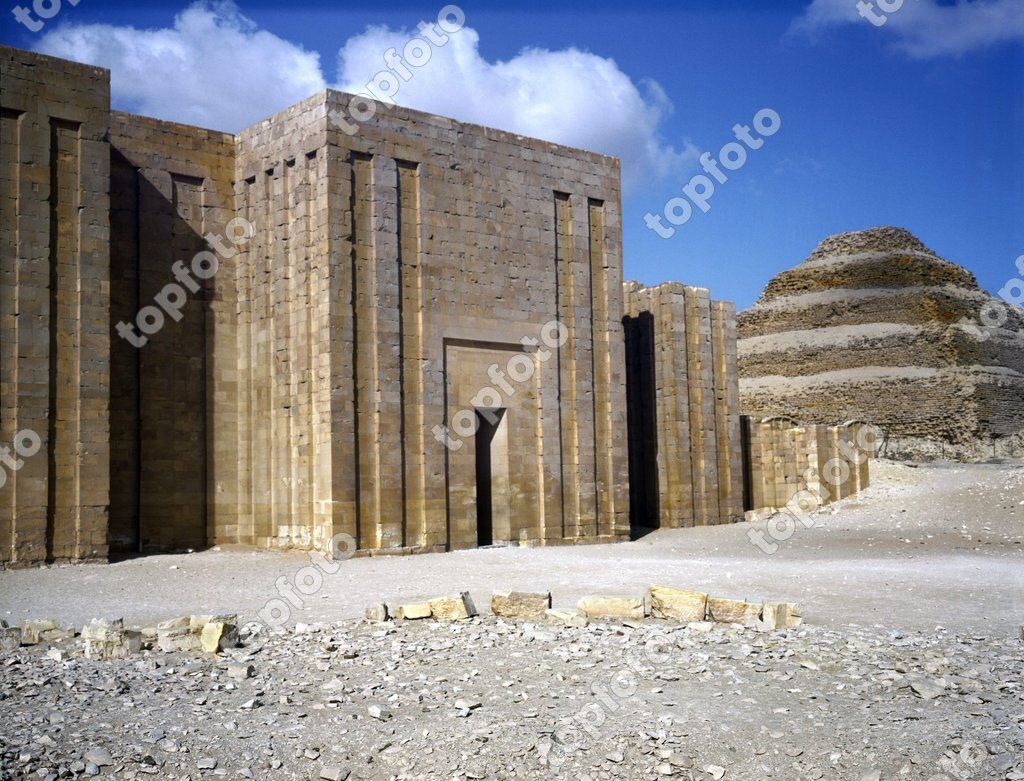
[784, 460]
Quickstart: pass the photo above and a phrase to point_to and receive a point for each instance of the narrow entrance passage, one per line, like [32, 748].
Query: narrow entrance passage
[491, 472]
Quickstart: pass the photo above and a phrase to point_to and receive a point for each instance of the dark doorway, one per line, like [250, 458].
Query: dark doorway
[488, 423]
[642, 430]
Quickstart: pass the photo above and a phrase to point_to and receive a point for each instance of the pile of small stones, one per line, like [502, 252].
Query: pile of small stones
[493, 697]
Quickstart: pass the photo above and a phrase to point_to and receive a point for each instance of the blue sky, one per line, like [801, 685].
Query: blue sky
[918, 122]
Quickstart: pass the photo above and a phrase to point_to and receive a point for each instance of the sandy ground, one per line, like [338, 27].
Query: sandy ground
[923, 547]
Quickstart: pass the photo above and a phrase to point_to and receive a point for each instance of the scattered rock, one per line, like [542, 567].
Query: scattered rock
[10, 638]
[571, 618]
[378, 613]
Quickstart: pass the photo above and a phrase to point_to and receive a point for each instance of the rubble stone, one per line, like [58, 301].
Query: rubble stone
[108, 639]
[454, 608]
[733, 611]
[520, 604]
[677, 604]
[612, 607]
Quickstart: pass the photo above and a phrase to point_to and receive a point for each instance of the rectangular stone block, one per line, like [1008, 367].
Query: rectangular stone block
[520, 604]
[629, 608]
[677, 604]
[733, 611]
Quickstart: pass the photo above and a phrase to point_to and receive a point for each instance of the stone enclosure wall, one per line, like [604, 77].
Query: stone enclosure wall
[789, 462]
[416, 336]
[685, 460]
[402, 287]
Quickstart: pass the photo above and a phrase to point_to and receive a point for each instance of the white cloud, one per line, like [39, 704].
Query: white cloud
[216, 69]
[569, 97]
[213, 68]
[924, 29]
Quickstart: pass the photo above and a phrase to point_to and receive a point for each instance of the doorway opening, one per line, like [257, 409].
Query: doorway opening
[491, 473]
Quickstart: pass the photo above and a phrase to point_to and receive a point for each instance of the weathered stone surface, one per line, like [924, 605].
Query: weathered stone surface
[108, 639]
[177, 634]
[520, 604]
[215, 636]
[10, 638]
[612, 607]
[413, 611]
[733, 611]
[36, 631]
[573, 618]
[677, 604]
[453, 608]
[378, 613]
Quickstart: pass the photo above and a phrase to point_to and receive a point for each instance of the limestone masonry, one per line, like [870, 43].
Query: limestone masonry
[418, 344]
[874, 326]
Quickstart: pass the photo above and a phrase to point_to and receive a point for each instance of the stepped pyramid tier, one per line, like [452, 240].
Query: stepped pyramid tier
[875, 326]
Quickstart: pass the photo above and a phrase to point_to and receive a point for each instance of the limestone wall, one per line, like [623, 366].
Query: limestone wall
[54, 305]
[813, 464]
[394, 268]
[169, 188]
[684, 432]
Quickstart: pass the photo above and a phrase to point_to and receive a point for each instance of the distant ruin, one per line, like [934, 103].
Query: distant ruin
[874, 326]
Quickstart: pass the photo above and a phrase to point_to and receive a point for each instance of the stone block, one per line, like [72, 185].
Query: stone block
[177, 635]
[781, 615]
[454, 608]
[108, 639]
[413, 611]
[218, 635]
[10, 638]
[520, 604]
[676, 604]
[44, 630]
[733, 611]
[572, 618]
[630, 608]
[378, 613]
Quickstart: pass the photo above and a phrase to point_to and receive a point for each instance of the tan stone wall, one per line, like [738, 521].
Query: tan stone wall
[54, 306]
[785, 460]
[169, 188]
[393, 268]
[685, 456]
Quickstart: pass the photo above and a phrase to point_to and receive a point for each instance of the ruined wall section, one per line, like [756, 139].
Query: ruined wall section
[684, 432]
[54, 308]
[170, 187]
[809, 466]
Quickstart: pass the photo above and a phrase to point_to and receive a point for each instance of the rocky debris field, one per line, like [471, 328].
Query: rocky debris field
[492, 698]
